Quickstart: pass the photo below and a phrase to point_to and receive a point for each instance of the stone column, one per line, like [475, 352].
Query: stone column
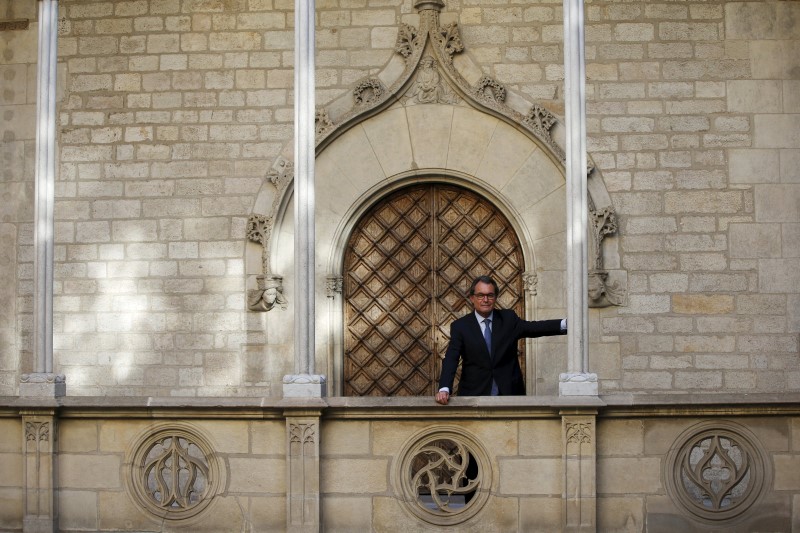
[577, 380]
[579, 471]
[39, 472]
[42, 382]
[304, 382]
[302, 475]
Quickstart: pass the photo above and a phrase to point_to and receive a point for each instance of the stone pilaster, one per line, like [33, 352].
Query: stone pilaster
[39, 472]
[579, 450]
[577, 381]
[303, 475]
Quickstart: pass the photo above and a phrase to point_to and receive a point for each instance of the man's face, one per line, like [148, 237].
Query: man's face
[270, 295]
[483, 298]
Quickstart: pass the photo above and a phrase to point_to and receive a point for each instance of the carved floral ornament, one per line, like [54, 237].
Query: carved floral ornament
[444, 475]
[174, 473]
[716, 471]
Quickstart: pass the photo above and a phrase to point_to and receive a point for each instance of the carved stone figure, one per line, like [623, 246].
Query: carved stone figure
[268, 294]
[429, 88]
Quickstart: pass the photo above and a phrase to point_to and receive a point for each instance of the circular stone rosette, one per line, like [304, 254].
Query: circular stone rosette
[173, 473]
[444, 475]
[716, 471]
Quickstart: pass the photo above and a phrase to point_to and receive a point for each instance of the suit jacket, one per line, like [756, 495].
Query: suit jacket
[477, 367]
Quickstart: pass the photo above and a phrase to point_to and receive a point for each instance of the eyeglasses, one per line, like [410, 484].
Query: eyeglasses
[480, 296]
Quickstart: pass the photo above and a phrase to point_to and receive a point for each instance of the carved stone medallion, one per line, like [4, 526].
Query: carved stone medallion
[444, 475]
[174, 473]
[716, 471]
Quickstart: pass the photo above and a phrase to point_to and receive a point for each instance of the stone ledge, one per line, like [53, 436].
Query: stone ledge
[396, 407]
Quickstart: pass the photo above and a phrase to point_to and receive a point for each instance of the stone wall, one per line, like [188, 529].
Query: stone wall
[244, 455]
[174, 111]
[17, 150]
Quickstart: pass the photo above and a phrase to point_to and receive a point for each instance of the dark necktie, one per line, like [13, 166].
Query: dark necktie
[487, 334]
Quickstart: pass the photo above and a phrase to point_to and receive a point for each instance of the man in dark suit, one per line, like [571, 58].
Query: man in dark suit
[489, 371]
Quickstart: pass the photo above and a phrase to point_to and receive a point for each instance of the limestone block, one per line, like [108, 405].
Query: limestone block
[702, 304]
[77, 510]
[471, 132]
[89, 471]
[11, 509]
[535, 180]
[256, 475]
[539, 438]
[11, 466]
[628, 475]
[646, 380]
[389, 139]
[266, 513]
[345, 438]
[540, 515]
[429, 128]
[506, 153]
[620, 514]
[779, 276]
[388, 437]
[753, 165]
[530, 476]
[776, 131]
[354, 476]
[345, 515]
[357, 160]
[620, 437]
[787, 472]
[755, 20]
[75, 436]
[777, 203]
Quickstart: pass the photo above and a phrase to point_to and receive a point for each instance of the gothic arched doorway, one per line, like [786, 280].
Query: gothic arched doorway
[408, 264]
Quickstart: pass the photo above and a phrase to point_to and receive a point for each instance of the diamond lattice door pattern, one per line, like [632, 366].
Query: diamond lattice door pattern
[408, 265]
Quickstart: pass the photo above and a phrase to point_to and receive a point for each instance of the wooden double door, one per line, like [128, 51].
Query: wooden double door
[408, 266]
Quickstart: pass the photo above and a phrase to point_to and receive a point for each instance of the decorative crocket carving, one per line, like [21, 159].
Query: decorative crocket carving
[406, 41]
[490, 89]
[281, 174]
[322, 122]
[259, 230]
[449, 40]
[368, 92]
[540, 120]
